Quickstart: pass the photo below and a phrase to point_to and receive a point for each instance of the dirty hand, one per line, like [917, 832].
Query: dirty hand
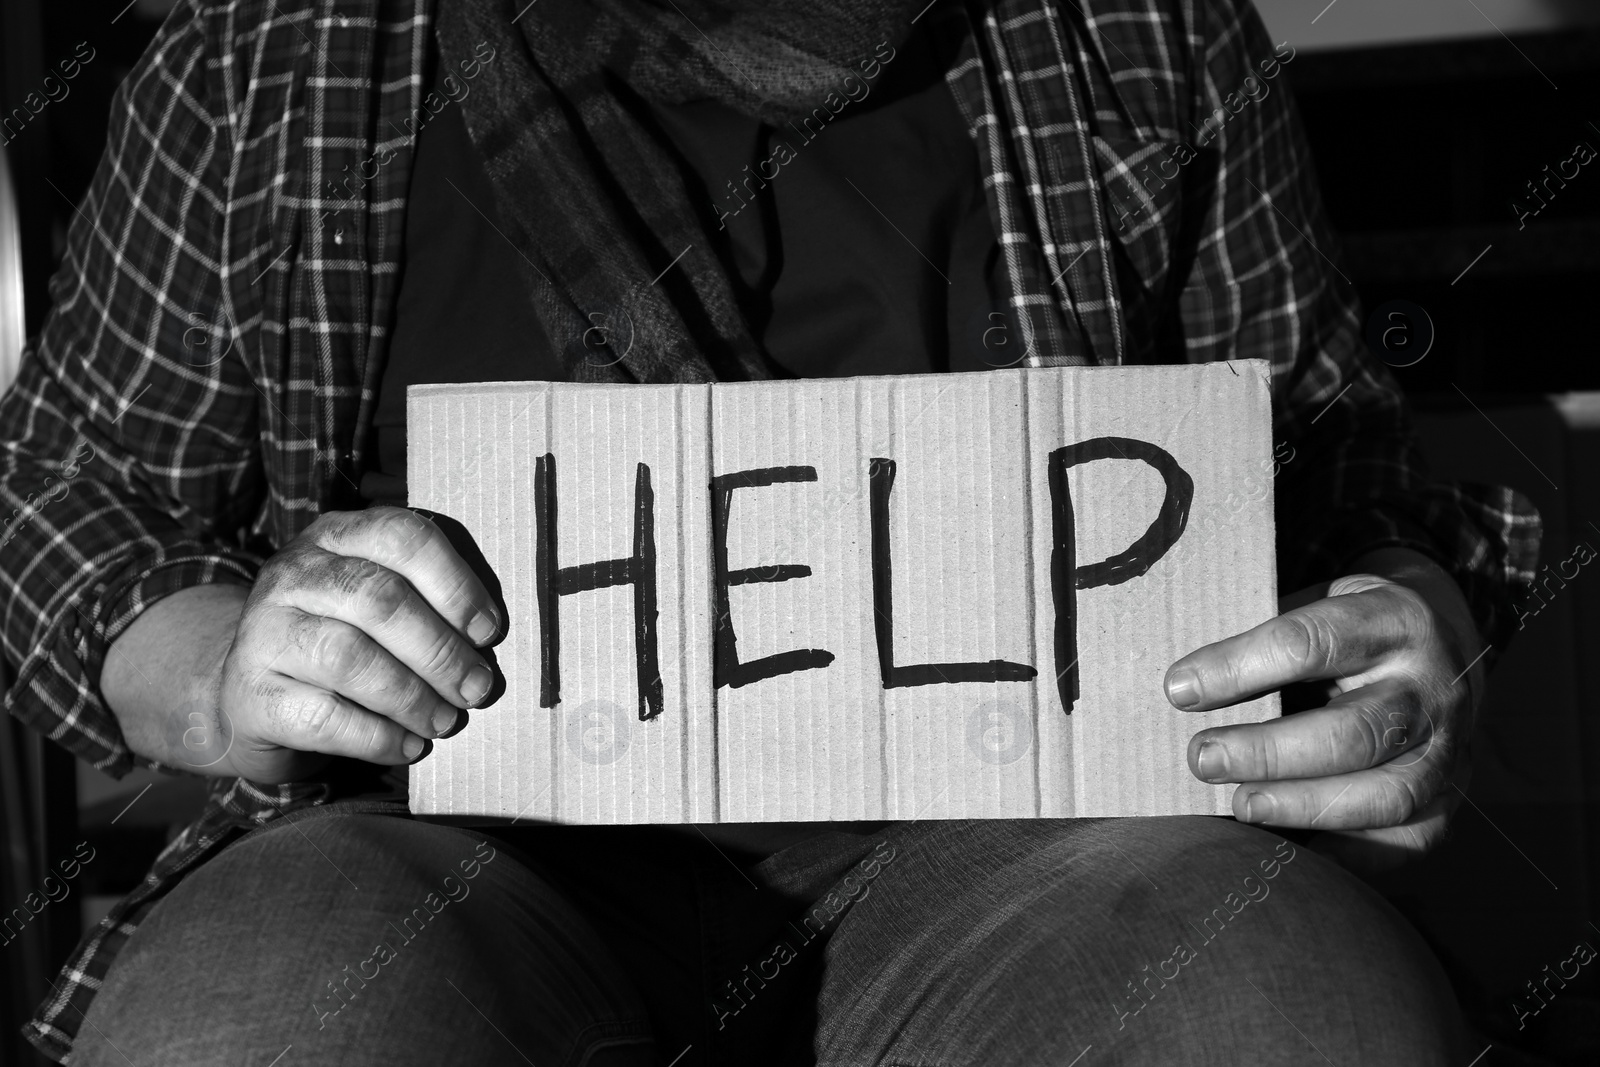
[1382, 764]
[360, 638]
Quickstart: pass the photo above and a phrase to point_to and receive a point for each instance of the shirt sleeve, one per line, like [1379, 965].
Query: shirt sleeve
[1265, 284]
[128, 456]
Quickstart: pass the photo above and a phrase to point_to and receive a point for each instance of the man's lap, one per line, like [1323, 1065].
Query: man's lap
[1016, 942]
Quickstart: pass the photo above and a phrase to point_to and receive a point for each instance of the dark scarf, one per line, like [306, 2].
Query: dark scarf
[589, 195]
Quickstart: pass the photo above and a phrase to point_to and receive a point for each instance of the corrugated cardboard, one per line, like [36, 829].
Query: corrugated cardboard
[942, 596]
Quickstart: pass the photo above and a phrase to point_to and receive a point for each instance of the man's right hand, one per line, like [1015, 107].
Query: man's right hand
[358, 639]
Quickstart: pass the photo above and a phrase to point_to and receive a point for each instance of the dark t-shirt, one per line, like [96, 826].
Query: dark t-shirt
[869, 252]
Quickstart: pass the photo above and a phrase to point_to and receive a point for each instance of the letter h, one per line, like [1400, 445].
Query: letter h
[551, 583]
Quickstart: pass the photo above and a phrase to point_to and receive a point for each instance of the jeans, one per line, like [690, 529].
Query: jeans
[338, 936]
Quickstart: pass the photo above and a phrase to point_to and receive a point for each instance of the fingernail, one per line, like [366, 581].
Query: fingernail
[412, 746]
[477, 683]
[444, 720]
[1258, 807]
[1183, 689]
[482, 629]
[1212, 760]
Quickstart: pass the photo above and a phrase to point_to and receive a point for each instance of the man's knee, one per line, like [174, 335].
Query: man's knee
[1126, 932]
[339, 932]
[1246, 937]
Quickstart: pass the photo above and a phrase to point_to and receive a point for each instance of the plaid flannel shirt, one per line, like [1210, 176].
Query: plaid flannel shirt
[204, 383]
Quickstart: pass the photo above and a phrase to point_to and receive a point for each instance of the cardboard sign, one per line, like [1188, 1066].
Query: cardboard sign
[941, 596]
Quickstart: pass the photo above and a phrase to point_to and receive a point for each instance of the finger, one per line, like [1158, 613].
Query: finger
[1381, 796]
[385, 606]
[1358, 729]
[1383, 848]
[333, 655]
[307, 718]
[1338, 637]
[413, 547]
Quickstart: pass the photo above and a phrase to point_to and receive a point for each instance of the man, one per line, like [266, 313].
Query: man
[308, 205]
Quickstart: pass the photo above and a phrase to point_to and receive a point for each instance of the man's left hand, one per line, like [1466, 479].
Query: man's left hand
[1382, 764]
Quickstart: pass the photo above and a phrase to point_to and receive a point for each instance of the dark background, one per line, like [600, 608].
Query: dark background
[1421, 148]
